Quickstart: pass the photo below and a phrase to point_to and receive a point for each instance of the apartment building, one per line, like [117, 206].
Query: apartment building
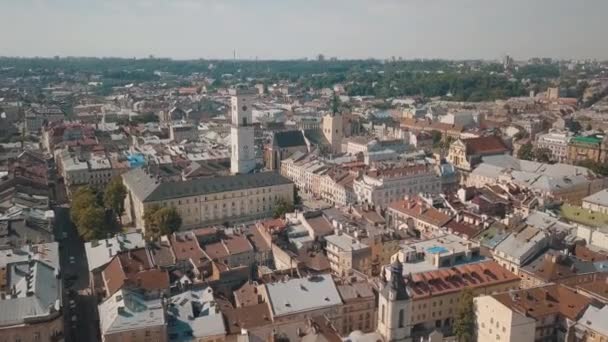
[555, 142]
[207, 201]
[581, 148]
[414, 214]
[597, 202]
[95, 170]
[546, 313]
[347, 253]
[128, 316]
[593, 325]
[195, 316]
[556, 267]
[31, 294]
[520, 247]
[381, 186]
[411, 307]
[359, 311]
[306, 172]
[298, 299]
[233, 251]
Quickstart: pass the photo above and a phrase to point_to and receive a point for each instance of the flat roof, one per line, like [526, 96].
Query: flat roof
[584, 216]
[127, 310]
[302, 295]
[600, 198]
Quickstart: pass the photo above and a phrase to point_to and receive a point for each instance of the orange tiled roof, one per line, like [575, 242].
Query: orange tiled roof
[455, 279]
[539, 302]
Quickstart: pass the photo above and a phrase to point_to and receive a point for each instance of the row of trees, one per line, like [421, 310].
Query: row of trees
[97, 214]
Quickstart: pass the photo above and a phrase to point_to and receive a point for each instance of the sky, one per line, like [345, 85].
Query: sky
[287, 29]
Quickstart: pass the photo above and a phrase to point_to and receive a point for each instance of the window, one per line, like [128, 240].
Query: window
[382, 318]
[401, 318]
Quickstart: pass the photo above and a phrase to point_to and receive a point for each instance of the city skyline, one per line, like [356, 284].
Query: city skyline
[271, 29]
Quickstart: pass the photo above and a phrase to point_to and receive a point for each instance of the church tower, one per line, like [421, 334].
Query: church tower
[394, 307]
[242, 158]
[332, 127]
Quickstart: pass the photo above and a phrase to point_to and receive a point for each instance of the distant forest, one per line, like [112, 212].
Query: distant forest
[463, 80]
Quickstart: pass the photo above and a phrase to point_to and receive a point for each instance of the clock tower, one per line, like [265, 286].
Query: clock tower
[242, 157]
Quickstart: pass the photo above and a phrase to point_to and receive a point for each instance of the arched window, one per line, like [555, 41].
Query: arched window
[401, 318]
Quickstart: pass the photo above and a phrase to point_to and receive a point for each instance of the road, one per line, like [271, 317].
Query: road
[80, 308]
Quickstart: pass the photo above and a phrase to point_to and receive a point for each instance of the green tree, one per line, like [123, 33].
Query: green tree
[464, 322]
[162, 221]
[114, 197]
[436, 137]
[89, 215]
[281, 207]
[542, 155]
[335, 104]
[91, 223]
[84, 197]
[526, 152]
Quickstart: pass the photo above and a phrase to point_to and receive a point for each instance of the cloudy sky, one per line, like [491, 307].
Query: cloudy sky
[304, 28]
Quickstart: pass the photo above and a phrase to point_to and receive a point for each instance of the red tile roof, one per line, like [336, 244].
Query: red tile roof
[134, 268]
[539, 302]
[414, 208]
[237, 244]
[185, 247]
[485, 146]
[455, 279]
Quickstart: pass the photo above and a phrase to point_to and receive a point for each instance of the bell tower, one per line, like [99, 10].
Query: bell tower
[394, 306]
[242, 157]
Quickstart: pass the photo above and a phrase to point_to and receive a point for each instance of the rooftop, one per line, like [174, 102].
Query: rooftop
[194, 313]
[584, 216]
[485, 145]
[345, 242]
[148, 189]
[540, 302]
[523, 244]
[301, 295]
[127, 310]
[455, 279]
[595, 319]
[554, 266]
[599, 198]
[101, 252]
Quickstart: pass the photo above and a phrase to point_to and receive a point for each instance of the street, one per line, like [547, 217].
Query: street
[80, 308]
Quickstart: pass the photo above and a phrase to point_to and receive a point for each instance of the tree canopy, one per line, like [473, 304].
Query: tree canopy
[161, 221]
[114, 196]
[526, 152]
[464, 322]
[89, 216]
[282, 207]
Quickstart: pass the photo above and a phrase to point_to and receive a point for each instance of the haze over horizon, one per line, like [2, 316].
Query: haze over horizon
[275, 29]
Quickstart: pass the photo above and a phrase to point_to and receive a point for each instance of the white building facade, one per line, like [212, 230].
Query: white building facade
[556, 142]
[381, 187]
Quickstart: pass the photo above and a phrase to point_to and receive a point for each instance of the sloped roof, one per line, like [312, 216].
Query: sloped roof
[485, 145]
[196, 187]
[289, 139]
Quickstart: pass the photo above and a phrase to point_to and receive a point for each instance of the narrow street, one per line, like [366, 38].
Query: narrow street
[80, 308]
